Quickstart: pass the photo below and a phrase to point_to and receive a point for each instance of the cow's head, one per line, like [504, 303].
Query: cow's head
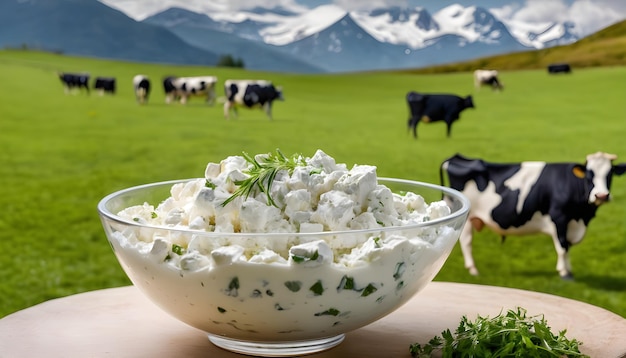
[279, 93]
[469, 103]
[600, 170]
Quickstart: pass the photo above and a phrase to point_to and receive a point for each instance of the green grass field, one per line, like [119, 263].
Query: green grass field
[60, 154]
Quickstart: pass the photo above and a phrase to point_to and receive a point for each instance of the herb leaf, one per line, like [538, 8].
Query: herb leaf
[507, 335]
[263, 172]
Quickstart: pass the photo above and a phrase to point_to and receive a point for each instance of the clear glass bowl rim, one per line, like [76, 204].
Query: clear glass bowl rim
[456, 195]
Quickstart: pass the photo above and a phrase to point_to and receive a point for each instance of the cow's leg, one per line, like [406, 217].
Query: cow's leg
[413, 122]
[228, 107]
[563, 264]
[466, 248]
[268, 109]
[417, 111]
[210, 98]
[183, 99]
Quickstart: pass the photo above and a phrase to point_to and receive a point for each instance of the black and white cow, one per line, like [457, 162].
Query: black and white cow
[104, 85]
[557, 199]
[185, 87]
[74, 81]
[436, 107]
[250, 93]
[559, 68]
[487, 78]
[141, 85]
[169, 89]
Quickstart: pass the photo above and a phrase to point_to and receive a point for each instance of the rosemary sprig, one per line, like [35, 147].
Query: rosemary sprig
[263, 172]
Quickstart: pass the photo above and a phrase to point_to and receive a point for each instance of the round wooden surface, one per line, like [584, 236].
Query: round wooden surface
[121, 322]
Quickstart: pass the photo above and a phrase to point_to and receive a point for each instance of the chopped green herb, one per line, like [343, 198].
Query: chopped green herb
[315, 171]
[377, 242]
[256, 294]
[346, 283]
[400, 267]
[136, 219]
[234, 283]
[507, 335]
[263, 172]
[233, 287]
[368, 290]
[293, 286]
[317, 288]
[278, 307]
[177, 249]
[221, 310]
[328, 312]
[300, 259]
[210, 184]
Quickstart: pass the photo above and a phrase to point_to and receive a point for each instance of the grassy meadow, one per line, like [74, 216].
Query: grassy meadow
[60, 154]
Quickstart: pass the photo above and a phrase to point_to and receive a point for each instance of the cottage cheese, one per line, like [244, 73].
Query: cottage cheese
[288, 286]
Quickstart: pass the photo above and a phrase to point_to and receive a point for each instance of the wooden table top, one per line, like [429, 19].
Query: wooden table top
[121, 322]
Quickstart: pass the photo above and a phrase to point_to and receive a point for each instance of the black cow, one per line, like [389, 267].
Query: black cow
[559, 68]
[435, 107]
[141, 85]
[250, 94]
[105, 85]
[75, 80]
[557, 199]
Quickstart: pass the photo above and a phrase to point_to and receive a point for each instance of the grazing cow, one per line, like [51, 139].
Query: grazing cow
[436, 107]
[487, 78]
[74, 80]
[169, 89]
[250, 93]
[557, 199]
[559, 68]
[186, 87]
[105, 85]
[141, 85]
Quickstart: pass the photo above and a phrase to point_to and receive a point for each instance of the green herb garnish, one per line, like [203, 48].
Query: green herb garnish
[328, 312]
[293, 286]
[317, 288]
[209, 184]
[263, 172]
[177, 249]
[368, 290]
[346, 283]
[510, 335]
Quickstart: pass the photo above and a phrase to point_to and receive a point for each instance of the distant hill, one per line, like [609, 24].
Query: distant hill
[202, 32]
[606, 47]
[90, 28]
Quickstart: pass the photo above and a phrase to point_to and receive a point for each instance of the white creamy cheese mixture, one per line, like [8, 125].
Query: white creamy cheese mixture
[285, 286]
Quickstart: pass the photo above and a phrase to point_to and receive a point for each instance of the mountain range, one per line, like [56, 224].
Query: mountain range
[323, 39]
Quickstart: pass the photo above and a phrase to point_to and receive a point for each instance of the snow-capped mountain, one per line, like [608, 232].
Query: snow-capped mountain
[395, 37]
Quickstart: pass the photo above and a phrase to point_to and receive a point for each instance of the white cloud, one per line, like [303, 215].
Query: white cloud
[350, 5]
[140, 9]
[588, 15]
[592, 16]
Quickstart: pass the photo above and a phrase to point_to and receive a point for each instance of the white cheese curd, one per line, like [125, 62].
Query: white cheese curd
[283, 287]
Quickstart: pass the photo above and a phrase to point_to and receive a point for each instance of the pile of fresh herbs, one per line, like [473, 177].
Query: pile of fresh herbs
[507, 335]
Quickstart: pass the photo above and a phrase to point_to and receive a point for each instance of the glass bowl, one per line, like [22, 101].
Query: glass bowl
[300, 303]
